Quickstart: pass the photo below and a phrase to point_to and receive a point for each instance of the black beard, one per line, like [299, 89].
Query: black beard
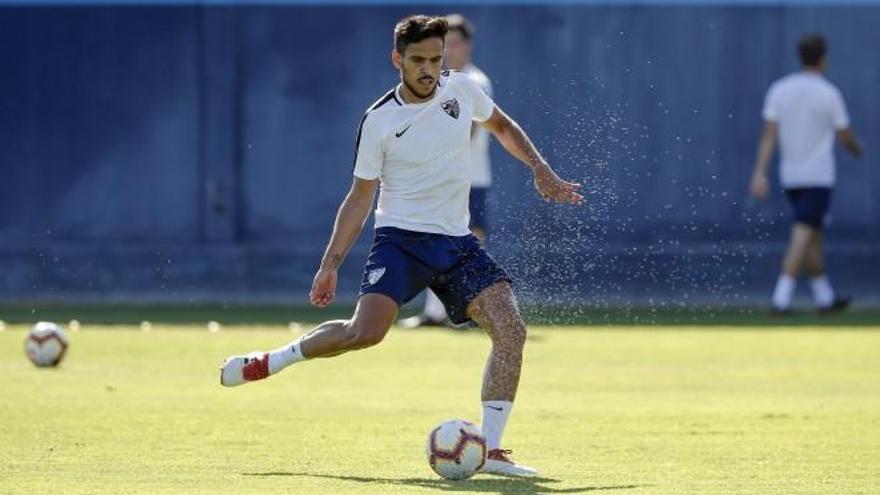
[413, 90]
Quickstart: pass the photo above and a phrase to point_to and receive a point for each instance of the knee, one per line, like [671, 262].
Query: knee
[360, 336]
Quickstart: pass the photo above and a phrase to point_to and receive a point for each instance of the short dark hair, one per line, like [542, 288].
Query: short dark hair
[416, 28]
[460, 24]
[811, 49]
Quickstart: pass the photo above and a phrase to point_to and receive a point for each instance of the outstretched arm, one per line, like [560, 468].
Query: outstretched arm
[518, 144]
[766, 146]
[349, 223]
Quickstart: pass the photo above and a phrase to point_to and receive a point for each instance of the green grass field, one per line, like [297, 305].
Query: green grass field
[651, 410]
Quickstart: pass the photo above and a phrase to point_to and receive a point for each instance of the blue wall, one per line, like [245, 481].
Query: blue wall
[195, 151]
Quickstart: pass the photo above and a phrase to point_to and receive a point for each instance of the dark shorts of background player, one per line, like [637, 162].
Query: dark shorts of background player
[810, 205]
[403, 263]
[477, 207]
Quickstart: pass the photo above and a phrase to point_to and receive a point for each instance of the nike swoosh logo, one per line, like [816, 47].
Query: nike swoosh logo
[398, 134]
[496, 408]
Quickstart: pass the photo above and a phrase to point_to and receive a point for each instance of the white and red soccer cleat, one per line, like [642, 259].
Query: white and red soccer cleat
[497, 462]
[237, 370]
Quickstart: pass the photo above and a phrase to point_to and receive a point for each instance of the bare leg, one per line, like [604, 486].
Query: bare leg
[496, 311]
[823, 292]
[792, 262]
[371, 321]
[798, 248]
[804, 250]
[373, 317]
[815, 256]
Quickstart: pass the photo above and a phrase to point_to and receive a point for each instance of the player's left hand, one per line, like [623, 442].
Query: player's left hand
[552, 188]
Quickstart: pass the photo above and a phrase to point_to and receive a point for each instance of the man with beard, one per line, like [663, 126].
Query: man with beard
[414, 145]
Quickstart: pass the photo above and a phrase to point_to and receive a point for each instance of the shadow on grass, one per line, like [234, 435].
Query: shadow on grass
[485, 485]
[281, 315]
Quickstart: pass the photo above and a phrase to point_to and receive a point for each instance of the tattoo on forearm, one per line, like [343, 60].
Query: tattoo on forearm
[332, 261]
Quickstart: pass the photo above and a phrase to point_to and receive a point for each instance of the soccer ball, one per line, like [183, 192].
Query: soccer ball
[46, 344]
[456, 449]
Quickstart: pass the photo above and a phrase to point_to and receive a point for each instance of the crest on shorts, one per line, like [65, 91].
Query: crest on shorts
[451, 108]
[375, 274]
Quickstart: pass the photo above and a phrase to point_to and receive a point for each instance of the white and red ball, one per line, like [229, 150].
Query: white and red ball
[46, 344]
[456, 449]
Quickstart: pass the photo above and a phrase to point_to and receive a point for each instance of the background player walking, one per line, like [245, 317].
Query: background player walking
[803, 111]
[414, 145]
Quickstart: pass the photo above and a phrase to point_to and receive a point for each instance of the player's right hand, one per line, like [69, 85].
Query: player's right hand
[323, 288]
[759, 187]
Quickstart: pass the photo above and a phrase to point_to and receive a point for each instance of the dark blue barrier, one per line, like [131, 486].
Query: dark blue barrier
[171, 152]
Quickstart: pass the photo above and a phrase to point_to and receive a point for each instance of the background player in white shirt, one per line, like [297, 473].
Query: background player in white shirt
[459, 46]
[413, 145]
[804, 112]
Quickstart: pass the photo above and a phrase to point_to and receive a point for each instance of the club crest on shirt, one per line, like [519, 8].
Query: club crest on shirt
[451, 108]
[375, 274]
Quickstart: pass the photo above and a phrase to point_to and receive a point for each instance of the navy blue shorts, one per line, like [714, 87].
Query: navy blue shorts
[810, 205]
[477, 206]
[403, 263]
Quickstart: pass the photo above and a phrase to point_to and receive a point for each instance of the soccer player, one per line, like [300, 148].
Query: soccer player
[413, 145]
[458, 57]
[804, 111]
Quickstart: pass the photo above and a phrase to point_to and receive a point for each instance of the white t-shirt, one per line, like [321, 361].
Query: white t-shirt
[809, 110]
[421, 154]
[481, 167]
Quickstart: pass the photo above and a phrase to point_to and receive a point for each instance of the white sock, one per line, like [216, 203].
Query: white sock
[495, 413]
[783, 292]
[823, 294]
[285, 356]
[434, 308]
